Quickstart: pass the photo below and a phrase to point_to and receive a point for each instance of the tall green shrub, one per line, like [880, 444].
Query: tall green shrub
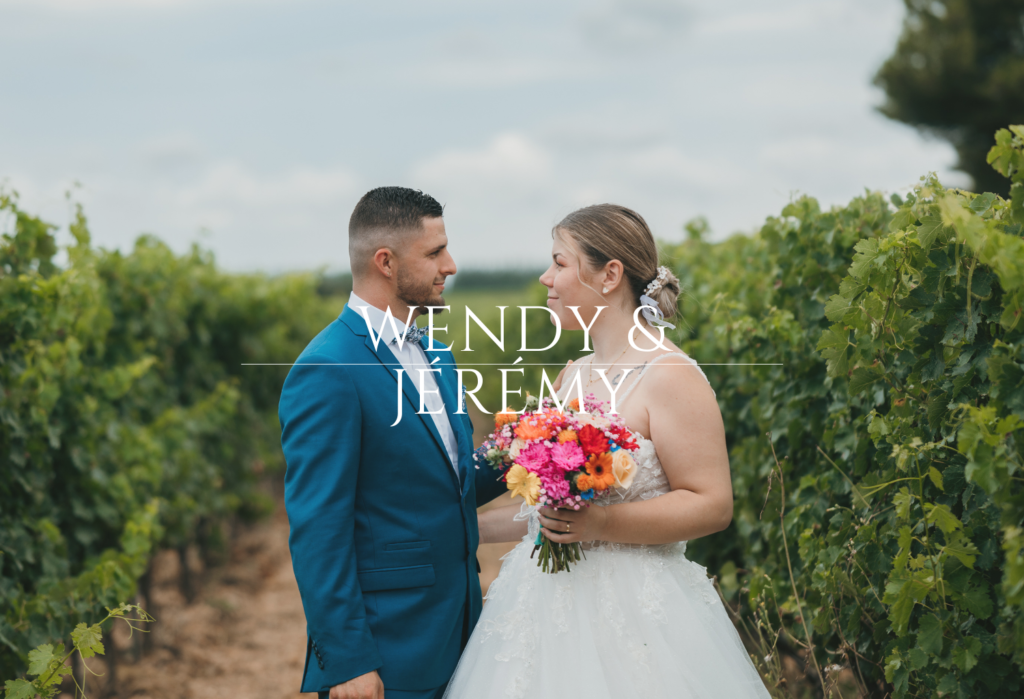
[127, 418]
[896, 412]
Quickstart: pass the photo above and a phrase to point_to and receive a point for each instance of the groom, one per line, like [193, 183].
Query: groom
[383, 519]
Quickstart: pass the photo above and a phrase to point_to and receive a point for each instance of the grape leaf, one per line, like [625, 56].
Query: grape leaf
[961, 547]
[929, 634]
[850, 288]
[918, 658]
[19, 689]
[867, 252]
[836, 308]
[899, 612]
[902, 500]
[983, 202]
[931, 225]
[88, 640]
[905, 540]
[965, 653]
[903, 218]
[942, 516]
[39, 659]
[978, 602]
[861, 379]
[832, 345]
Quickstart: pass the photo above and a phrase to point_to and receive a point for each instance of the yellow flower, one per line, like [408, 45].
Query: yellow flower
[624, 468]
[522, 482]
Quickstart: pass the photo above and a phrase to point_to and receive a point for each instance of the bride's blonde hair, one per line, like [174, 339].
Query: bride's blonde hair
[604, 232]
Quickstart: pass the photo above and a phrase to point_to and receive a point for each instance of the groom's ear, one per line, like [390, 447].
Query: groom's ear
[384, 261]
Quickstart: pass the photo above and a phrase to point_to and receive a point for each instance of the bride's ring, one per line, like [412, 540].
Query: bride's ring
[566, 526]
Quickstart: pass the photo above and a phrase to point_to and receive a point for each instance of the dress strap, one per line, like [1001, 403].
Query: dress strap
[629, 391]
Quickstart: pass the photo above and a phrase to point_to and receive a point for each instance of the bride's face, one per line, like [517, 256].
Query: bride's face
[565, 288]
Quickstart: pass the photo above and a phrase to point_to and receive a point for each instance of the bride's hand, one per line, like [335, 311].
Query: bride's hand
[563, 526]
[558, 379]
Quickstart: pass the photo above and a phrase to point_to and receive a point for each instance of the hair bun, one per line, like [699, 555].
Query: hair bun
[665, 292]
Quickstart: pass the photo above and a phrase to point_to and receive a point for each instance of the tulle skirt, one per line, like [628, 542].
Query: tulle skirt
[626, 622]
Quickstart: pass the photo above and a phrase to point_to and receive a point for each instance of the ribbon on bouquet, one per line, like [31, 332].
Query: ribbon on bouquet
[526, 514]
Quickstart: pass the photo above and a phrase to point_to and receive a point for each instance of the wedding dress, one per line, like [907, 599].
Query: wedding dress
[628, 621]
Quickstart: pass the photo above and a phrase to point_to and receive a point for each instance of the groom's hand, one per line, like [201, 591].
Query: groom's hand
[366, 686]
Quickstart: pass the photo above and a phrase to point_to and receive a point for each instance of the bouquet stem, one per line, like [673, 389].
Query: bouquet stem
[556, 557]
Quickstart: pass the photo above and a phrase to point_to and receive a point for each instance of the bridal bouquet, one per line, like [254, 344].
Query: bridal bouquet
[560, 459]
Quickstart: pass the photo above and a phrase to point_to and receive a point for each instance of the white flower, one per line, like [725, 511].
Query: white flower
[515, 447]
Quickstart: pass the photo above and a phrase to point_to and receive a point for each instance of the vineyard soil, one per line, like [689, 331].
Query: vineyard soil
[244, 633]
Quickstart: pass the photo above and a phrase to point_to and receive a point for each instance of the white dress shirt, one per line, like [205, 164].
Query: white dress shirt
[413, 359]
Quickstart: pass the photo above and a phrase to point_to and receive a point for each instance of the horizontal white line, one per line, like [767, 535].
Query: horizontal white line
[508, 364]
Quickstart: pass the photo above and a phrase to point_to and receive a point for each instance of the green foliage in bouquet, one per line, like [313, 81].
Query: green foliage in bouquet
[127, 420]
[896, 413]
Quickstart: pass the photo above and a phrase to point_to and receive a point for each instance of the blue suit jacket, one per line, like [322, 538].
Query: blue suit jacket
[383, 534]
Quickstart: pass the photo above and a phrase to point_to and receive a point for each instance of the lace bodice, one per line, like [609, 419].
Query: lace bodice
[650, 481]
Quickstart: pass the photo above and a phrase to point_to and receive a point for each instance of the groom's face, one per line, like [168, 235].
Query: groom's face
[423, 266]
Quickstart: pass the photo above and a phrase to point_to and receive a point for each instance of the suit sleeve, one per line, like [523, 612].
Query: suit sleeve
[320, 434]
[487, 484]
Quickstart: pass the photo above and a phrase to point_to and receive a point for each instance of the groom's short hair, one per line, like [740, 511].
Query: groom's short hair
[382, 218]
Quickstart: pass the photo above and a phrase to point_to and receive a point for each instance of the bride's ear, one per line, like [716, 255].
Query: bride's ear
[612, 276]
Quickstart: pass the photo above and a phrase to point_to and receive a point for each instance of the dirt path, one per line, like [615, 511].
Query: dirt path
[244, 635]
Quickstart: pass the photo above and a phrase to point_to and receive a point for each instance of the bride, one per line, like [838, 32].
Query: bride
[635, 618]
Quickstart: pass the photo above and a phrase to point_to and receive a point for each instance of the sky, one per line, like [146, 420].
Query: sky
[253, 126]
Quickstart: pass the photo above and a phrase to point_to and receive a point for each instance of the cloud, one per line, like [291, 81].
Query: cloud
[293, 219]
[283, 212]
[829, 165]
[672, 166]
[499, 199]
[86, 5]
[173, 153]
[510, 159]
[230, 184]
[636, 24]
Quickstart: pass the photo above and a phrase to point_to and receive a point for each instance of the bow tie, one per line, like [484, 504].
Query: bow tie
[412, 334]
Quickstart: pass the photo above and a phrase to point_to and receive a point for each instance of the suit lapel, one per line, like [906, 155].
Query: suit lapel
[451, 405]
[387, 358]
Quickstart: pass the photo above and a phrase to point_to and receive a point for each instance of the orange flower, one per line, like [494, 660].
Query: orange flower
[532, 429]
[555, 419]
[599, 468]
[566, 436]
[505, 417]
[584, 482]
[574, 404]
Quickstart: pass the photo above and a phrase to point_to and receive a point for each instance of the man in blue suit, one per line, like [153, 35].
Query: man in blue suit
[383, 518]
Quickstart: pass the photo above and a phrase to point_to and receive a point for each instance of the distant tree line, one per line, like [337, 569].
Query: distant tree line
[340, 283]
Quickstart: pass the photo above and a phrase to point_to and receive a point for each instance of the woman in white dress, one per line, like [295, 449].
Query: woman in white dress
[635, 618]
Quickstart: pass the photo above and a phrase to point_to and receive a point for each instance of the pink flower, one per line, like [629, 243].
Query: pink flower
[535, 457]
[555, 485]
[568, 456]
